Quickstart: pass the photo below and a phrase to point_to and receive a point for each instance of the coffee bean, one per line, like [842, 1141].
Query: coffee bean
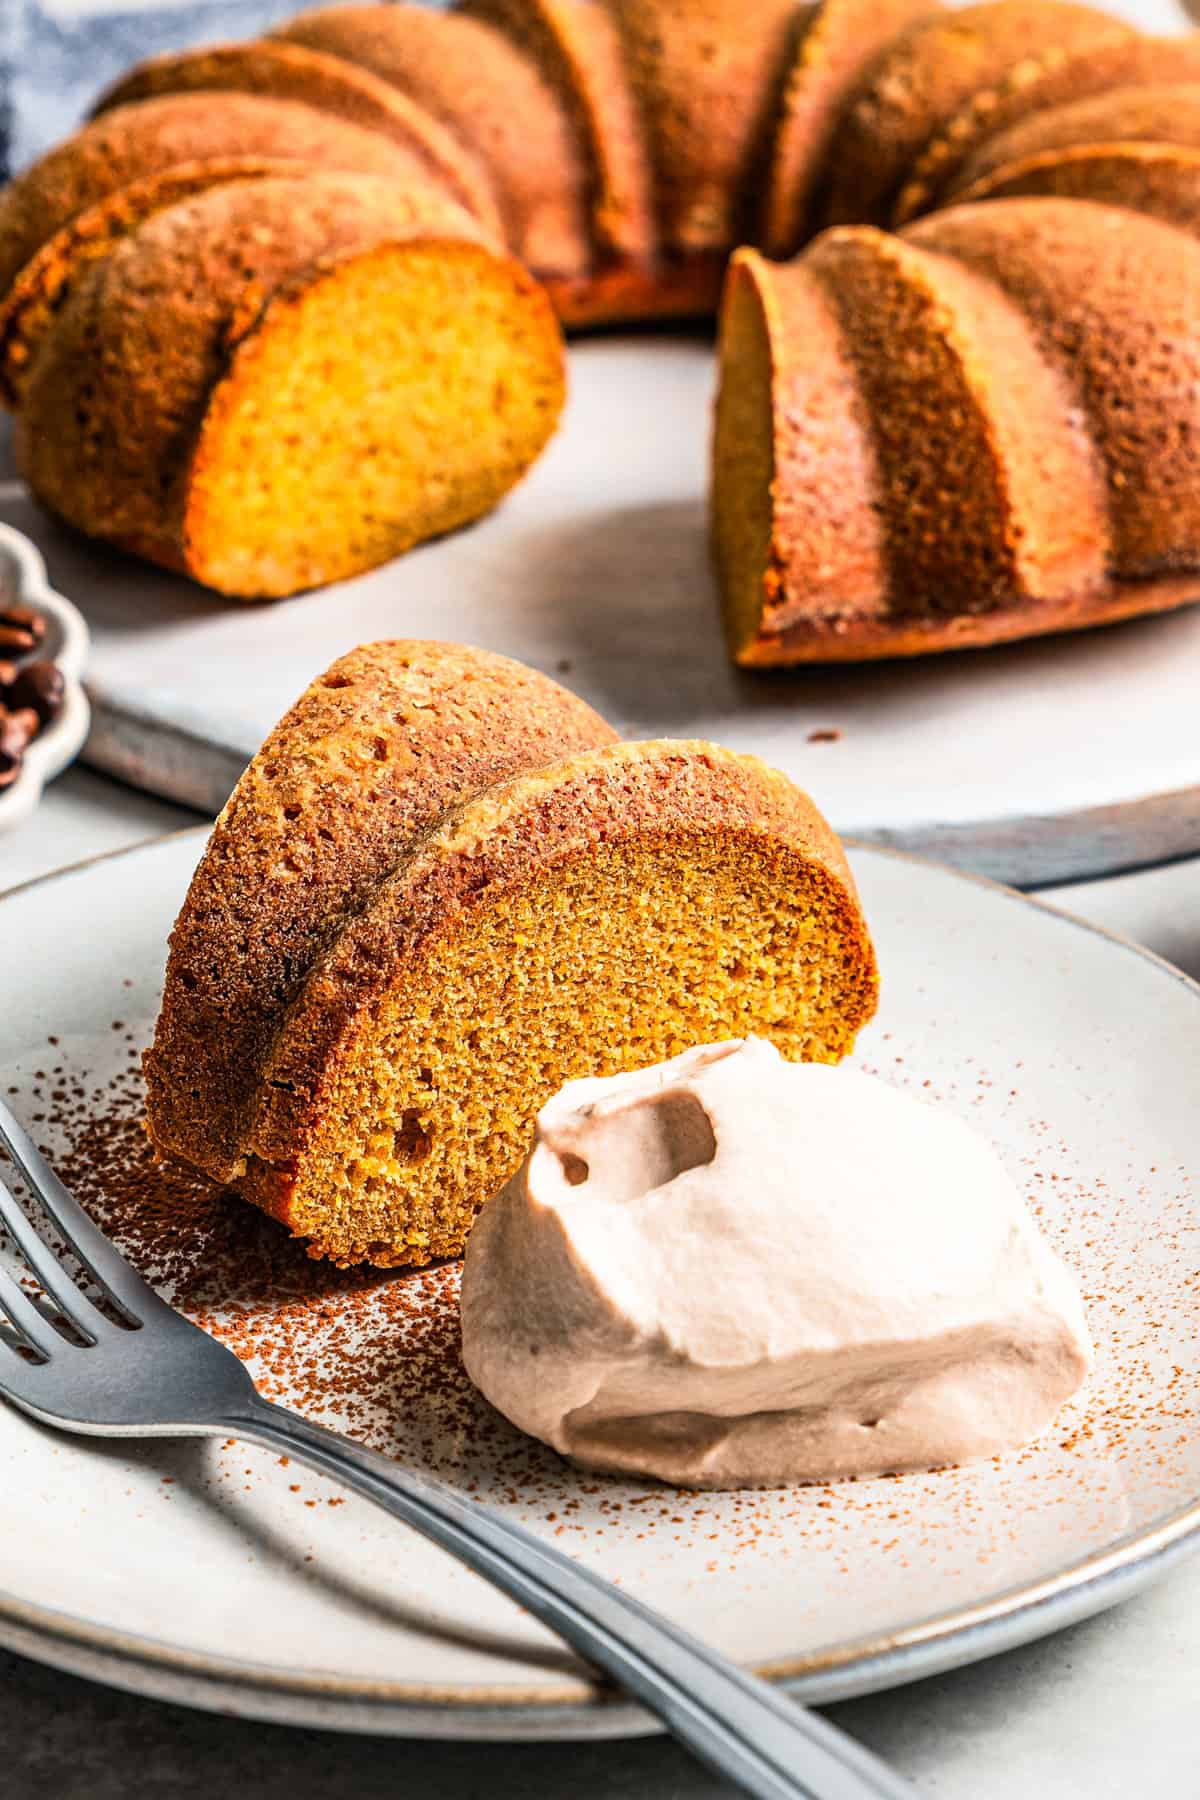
[24, 618]
[39, 685]
[18, 729]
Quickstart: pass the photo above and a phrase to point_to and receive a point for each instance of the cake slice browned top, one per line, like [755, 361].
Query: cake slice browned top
[370, 757]
[680, 798]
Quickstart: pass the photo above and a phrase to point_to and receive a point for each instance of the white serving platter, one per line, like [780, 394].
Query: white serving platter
[211, 1574]
[1040, 762]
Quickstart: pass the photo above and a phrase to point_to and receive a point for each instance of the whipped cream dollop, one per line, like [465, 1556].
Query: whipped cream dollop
[734, 1271]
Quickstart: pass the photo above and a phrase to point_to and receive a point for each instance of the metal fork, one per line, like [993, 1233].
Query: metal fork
[158, 1375]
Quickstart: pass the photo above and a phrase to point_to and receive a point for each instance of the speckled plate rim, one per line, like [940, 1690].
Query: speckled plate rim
[951, 1639]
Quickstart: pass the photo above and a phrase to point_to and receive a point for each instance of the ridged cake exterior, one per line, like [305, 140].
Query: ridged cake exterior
[1050, 376]
[371, 756]
[927, 73]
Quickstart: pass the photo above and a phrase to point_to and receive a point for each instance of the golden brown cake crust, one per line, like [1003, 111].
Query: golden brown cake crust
[1102, 292]
[576, 43]
[151, 136]
[1162, 181]
[1005, 497]
[961, 150]
[834, 45]
[1164, 114]
[455, 68]
[372, 756]
[708, 78]
[802, 641]
[291, 72]
[113, 405]
[922, 78]
[28, 310]
[1073, 519]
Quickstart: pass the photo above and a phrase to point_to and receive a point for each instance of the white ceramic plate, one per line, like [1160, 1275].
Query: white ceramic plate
[211, 1574]
[596, 570]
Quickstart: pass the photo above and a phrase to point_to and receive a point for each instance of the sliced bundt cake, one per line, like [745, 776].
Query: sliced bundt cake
[1028, 463]
[75, 205]
[349, 367]
[618, 150]
[440, 890]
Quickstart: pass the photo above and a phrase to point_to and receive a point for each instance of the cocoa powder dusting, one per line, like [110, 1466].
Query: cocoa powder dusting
[376, 1354]
[365, 1349]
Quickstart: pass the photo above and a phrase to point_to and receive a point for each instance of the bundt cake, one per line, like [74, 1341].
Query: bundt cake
[983, 428]
[441, 889]
[329, 83]
[619, 151]
[349, 366]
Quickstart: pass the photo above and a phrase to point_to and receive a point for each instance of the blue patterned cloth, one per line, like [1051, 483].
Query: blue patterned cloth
[56, 58]
[56, 55]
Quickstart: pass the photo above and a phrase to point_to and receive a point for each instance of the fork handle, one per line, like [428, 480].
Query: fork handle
[767, 1744]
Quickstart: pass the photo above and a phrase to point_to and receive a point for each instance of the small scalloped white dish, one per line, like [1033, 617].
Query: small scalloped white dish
[23, 581]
